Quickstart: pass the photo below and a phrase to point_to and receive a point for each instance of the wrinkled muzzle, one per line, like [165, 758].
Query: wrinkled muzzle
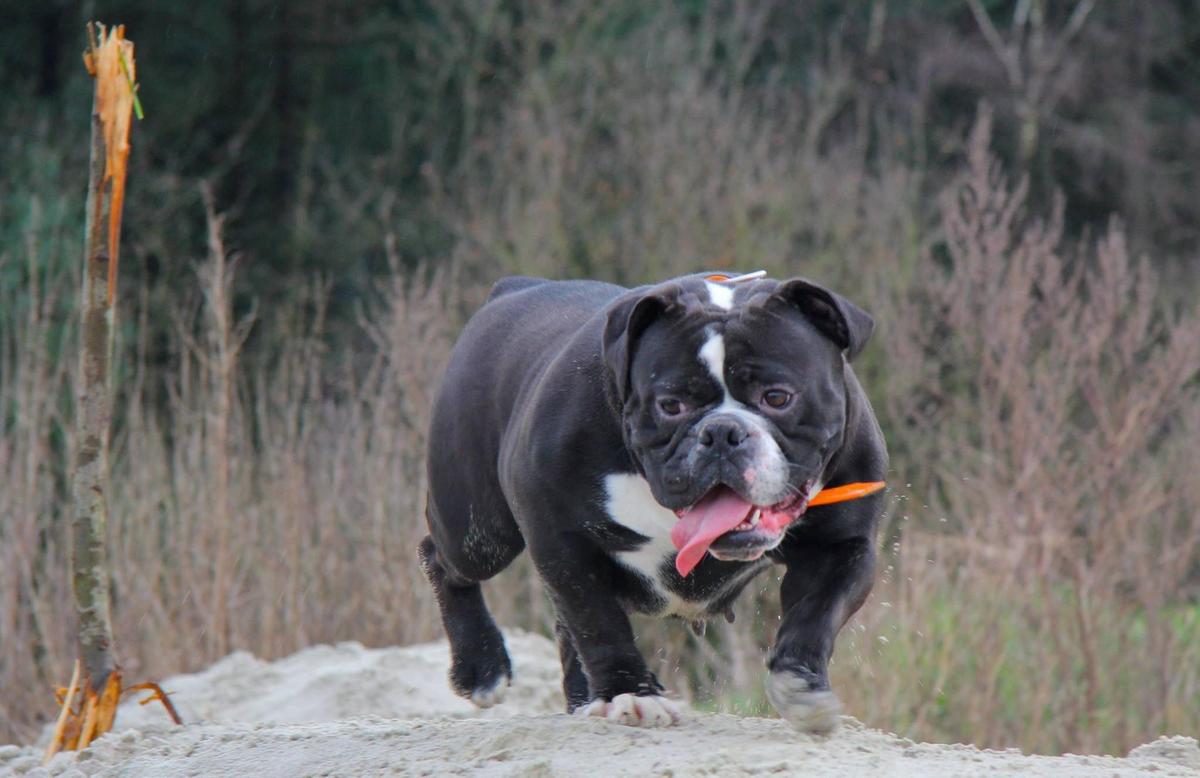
[749, 503]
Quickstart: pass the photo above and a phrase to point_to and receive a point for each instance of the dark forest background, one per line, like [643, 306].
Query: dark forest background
[322, 190]
[324, 126]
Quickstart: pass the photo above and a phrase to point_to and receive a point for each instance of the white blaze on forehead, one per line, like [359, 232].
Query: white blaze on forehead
[721, 295]
[770, 466]
[712, 355]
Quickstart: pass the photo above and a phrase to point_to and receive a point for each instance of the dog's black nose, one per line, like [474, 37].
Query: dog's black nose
[722, 435]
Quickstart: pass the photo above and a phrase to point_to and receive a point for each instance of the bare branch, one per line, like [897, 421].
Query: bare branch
[1008, 57]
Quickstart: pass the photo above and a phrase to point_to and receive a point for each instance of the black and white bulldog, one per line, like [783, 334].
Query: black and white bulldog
[654, 448]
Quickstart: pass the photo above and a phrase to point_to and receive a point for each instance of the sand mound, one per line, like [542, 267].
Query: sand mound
[347, 710]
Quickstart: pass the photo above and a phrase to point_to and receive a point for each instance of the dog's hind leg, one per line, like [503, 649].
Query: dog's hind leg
[575, 683]
[480, 669]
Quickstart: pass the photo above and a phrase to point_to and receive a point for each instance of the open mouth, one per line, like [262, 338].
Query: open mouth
[730, 527]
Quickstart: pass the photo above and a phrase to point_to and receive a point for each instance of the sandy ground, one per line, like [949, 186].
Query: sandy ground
[346, 710]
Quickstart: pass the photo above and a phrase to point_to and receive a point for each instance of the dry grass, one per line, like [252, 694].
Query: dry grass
[262, 508]
[1044, 407]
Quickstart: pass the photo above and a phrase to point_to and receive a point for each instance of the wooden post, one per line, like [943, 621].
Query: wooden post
[110, 61]
[97, 678]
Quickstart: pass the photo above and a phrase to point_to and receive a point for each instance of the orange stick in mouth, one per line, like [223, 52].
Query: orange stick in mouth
[845, 492]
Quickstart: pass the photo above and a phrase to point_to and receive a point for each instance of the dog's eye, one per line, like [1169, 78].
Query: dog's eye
[776, 398]
[670, 406]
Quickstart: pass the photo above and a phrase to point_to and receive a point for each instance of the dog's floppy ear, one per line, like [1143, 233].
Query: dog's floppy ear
[842, 321]
[627, 320]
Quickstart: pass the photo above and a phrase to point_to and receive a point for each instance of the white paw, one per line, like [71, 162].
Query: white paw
[634, 711]
[494, 694]
[808, 711]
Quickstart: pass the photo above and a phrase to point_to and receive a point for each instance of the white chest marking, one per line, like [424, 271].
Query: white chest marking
[632, 505]
[720, 294]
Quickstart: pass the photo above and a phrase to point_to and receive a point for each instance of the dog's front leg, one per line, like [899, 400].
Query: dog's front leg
[620, 686]
[823, 587]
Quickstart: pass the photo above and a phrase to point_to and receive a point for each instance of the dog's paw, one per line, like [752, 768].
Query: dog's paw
[483, 676]
[816, 712]
[633, 711]
[487, 696]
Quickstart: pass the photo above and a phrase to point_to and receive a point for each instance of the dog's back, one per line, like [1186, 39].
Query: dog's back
[501, 353]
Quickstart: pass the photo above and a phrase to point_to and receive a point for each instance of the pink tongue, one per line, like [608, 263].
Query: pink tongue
[704, 522]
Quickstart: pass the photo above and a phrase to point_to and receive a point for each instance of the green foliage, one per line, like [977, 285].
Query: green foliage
[1020, 685]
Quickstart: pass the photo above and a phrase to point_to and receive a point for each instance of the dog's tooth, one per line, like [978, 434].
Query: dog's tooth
[754, 517]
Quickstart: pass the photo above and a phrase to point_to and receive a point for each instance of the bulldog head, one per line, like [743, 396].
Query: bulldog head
[733, 402]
